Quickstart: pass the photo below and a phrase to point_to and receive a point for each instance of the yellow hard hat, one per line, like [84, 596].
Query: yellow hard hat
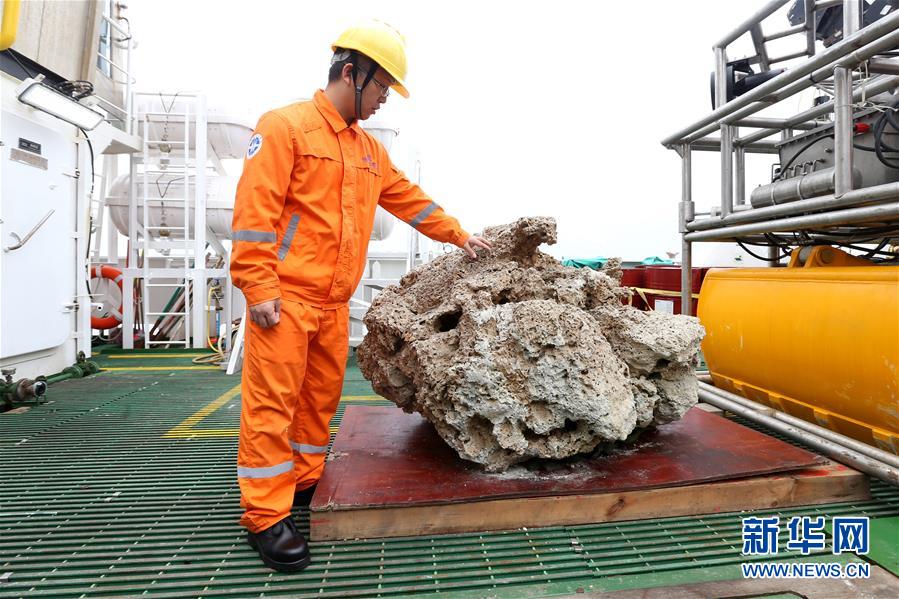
[383, 44]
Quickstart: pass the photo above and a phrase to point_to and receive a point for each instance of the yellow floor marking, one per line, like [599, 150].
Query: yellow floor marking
[190, 421]
[205, 433]
[136, 368]
[150, 356]
[185, 430]
[202, 432]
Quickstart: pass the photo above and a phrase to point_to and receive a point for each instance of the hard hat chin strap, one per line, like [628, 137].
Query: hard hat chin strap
[354, 57]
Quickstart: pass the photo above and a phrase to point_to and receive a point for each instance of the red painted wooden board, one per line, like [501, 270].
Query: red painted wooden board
[385, 457]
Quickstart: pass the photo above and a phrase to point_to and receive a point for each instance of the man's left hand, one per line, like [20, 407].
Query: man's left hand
[475, 242]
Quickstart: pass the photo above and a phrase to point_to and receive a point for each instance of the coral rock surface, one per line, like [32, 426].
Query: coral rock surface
[514, 356]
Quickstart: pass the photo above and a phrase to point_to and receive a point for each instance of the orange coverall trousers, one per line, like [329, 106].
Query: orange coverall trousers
[288, 391]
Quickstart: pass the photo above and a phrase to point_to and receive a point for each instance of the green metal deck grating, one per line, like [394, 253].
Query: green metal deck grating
[104, 494]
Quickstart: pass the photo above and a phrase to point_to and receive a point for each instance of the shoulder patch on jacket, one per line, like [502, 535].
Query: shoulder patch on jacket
[255, 146]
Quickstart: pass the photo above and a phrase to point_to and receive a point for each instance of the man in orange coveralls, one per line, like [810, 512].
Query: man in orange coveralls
[303, 214]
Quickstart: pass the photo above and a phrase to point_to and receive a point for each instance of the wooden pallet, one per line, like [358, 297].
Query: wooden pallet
[821, 484]
[390, 475]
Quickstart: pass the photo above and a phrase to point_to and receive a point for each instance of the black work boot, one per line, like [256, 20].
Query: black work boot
[281, 546]
[304, 498]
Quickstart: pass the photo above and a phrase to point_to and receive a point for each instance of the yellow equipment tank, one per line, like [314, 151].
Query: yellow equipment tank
[818, 340]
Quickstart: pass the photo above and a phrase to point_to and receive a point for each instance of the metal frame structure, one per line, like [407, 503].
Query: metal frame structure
[191, 273]
[125, 112]
[859, 209]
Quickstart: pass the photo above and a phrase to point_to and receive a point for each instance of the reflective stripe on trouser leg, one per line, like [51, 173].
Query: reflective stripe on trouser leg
[274, 366]
[320, 394]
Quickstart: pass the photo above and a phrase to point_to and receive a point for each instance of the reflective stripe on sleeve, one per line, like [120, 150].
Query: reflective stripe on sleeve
[265, 472]
[247, 235]
[423, 214]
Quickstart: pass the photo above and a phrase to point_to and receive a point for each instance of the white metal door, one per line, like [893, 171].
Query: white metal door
[37, 280]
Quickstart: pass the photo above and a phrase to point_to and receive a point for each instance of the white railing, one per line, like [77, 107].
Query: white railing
[126, 111]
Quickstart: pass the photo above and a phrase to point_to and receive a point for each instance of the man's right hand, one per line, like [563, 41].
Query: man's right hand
[266, 314]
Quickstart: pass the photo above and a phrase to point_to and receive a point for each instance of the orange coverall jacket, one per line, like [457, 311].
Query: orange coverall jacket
[305, 206]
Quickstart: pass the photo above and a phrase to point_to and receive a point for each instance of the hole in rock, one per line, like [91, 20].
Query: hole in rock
[478, 425]
[662, 363]
[529, 434]
[448, 322]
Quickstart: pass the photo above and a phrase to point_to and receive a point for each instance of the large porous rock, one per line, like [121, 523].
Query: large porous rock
[514, 356]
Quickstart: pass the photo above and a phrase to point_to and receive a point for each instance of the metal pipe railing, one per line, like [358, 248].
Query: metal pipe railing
[713, 144]
[727, 133]
[727, 169]
[760, 15]
[810, 25]
[769, 123]
[851, 60]
[852, 16]
[686, 279]
[824, 219]
[837, 451]
[786, 57]
[868, 195]
[842, 131]
[873, 39]
[845, 207]
[758, 41]
[874, 87]
[129, 92]
[785, 33]
[821, 74]
[117, 67]
[115, 25]
[111, 105]
[842, 80]
[126, 110]
[687, 208]
[884, 66]
[868, 450]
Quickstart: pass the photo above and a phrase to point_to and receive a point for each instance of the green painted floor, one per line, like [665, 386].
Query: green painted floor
[123, 484]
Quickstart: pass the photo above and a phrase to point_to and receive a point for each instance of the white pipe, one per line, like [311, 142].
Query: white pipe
[129, 95]
[201, 314]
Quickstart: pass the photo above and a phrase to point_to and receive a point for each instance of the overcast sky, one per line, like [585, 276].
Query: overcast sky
[516, 109]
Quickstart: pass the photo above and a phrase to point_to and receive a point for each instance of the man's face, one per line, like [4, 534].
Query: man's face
[375, 93]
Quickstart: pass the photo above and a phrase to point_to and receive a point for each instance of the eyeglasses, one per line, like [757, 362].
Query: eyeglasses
[385, 89]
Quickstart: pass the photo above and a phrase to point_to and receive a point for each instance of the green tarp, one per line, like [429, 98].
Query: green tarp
[597, 263]
[594, 263]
